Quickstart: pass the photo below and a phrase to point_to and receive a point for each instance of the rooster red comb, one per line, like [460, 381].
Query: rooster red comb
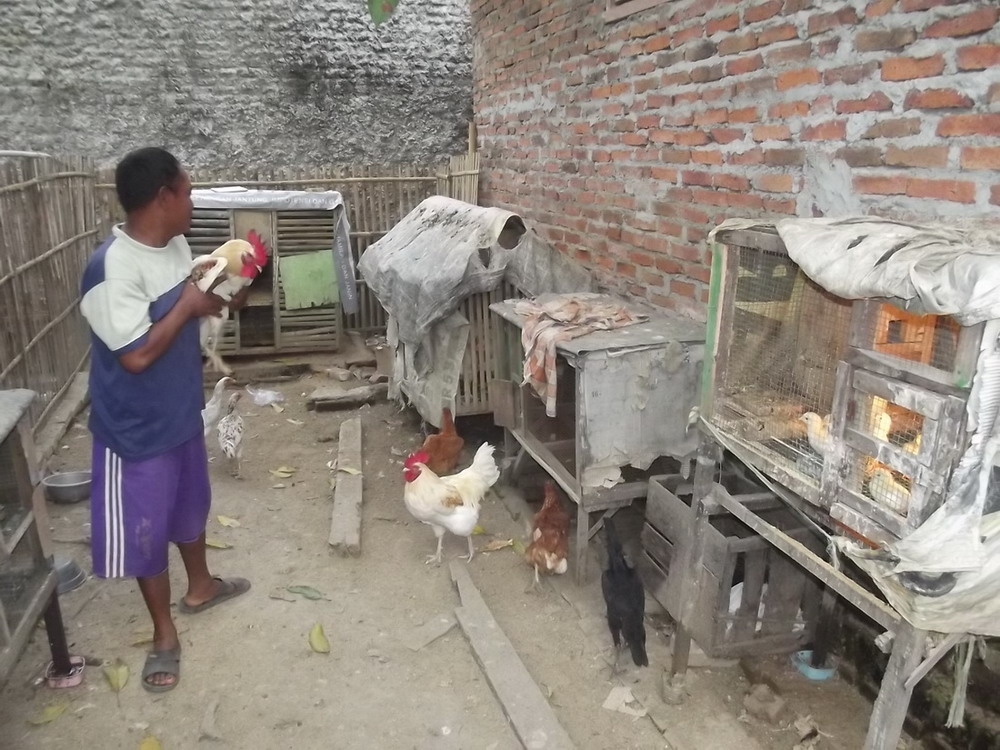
[420, 457]
[259, 248]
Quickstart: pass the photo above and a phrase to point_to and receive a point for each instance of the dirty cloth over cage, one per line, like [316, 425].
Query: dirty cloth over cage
[933, 269]
[422, 269]
[295, 200]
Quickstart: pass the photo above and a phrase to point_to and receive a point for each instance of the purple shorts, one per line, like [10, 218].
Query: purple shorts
[138, 507]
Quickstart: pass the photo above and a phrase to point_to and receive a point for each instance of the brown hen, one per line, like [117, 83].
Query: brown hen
[549, 546]
[444, 448]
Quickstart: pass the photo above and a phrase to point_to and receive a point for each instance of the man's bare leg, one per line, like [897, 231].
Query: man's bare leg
[156, 591]
[201, 585]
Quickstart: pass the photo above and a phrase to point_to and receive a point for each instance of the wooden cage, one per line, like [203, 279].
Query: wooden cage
[270, 323]
[857, 407]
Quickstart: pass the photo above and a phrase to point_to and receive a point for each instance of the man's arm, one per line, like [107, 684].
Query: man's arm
[193, 303]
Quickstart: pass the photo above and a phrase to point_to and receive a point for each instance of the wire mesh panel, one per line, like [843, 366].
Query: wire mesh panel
[782, 337]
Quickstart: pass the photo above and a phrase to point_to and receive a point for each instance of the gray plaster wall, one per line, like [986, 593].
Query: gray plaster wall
[242, 83]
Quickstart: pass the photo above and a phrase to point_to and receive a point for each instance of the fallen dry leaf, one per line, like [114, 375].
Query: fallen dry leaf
[116, 674]
[478, 530]
[519, 547]
[349, 470]
[296, 422]
[281, 596]
[307, 591]
[318, 640]
[149, 742]
[283, 472]
[229, 523]
[497, 544]
[217, 543]
[278, 408]
[48, 714]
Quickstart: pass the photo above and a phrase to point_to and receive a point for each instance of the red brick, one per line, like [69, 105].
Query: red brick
[700, 50]
[710, 117]
[762, 12]
[795, 78]
[850, 74]
[686, 35]
[742, 65]
[861, 156]
[726, 135]
[648, 121]
[784, 157]
[878, 40]
[746, 114]
[895, 128]
[656, 43]
[781, 33]
[910, 6]
[774, 183]
[936, 99]
[993, 95]
[784, 206]
[929, 157]
[995, 195]
[668, 265]
[827, 131]
[828, 21]
[784, 110]
[789, 53]
[736, 43]
[879, 8]
[707, 73]
[876, 102]
[979, 57]
[629, 139]
[908, 68]
[965, 25]
[731, 182]
[948, 190]
[706, 156]
[726, 23]
[749, 157]
[981, 157]
[880, 185]
[640, 259]
[978, 124]
[683, 288]
[771, 133]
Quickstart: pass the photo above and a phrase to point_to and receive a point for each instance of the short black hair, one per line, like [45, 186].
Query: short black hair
[140, 175]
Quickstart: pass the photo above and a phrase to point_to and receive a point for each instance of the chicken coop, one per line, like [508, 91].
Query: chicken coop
[856, 406]
[28, 578]
[295, 303]
[623, 400]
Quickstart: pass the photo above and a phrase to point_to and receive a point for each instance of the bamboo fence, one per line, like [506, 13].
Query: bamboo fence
[47, 230]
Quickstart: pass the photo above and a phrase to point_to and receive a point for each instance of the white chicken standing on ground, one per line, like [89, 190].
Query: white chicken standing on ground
[448, 503]
[210, 414]
[231, 435]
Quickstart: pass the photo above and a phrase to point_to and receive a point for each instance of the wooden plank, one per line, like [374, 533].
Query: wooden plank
[911, 397]
[332, 397]
[530, 715]
[889, 712]
[345, 523]
[876, 609]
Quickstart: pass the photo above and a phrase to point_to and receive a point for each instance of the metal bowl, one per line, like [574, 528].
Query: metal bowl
[67, 486]
[71, 575]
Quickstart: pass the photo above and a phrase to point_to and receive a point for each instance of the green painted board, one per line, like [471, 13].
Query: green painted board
[309, 279]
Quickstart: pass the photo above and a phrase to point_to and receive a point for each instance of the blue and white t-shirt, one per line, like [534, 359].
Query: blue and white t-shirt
[128, 286]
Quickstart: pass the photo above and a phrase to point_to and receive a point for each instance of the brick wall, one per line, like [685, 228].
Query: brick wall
[247, 83]
[628, 141]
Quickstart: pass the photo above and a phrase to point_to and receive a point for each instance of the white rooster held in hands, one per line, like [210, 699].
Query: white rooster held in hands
[448, 503]
[230, 267]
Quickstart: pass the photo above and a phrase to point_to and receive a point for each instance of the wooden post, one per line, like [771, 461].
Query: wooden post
[889, 713]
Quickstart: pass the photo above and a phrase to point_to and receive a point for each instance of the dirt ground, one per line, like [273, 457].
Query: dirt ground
[252, 657]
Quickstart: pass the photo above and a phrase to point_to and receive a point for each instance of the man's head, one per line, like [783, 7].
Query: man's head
[150, 182]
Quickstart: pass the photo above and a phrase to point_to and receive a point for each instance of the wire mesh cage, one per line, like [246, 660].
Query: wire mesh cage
[853, 404]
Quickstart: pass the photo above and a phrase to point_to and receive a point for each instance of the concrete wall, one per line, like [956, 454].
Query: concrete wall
[628, 141]
[236, 82]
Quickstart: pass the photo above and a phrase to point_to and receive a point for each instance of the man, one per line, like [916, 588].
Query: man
[150, 466]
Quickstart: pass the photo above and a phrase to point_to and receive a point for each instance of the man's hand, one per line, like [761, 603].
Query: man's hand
[198, 304]
[239, 300]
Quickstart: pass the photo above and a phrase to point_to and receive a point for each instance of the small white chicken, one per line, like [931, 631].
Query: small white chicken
[210, 414]
[818, 432]
[231, 435]
[886, 491]
[448, 503]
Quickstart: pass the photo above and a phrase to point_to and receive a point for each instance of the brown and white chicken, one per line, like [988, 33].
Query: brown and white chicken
[549, 546]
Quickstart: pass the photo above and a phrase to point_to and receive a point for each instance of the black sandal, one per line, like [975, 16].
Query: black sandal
[162, 662]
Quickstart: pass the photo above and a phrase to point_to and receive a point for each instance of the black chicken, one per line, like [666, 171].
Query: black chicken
[625, 599]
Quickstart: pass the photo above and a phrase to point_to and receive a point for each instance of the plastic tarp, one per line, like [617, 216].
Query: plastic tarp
[442, 252]
[237, 197]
